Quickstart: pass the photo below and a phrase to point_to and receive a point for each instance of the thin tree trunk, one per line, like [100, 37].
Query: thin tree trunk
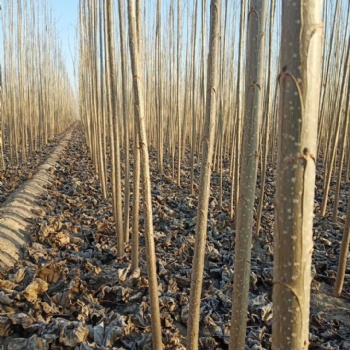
[248, 174]
[126, 119]
[194, 37]
[344, 250]
[333, 150]
[135, 53]
[102, 138]
[341, 158]
[268, 115]
[178, 89]
[136, 190]
[238, 110]
[204, 189]
[159, 104]
[115, 158]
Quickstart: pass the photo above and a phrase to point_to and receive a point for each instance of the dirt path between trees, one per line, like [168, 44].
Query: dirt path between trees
[21, 206]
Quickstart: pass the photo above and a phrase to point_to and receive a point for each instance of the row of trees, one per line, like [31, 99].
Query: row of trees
[222, 98]
[199, 92]
[97, 74]
[37, 100]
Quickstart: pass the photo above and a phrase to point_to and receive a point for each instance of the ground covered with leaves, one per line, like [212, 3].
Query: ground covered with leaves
[71, 292]
[14, 175]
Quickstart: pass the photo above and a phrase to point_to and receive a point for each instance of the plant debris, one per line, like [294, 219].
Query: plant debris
[71, 292]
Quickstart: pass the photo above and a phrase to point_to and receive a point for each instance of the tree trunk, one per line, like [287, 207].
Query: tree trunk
[300, 79]
[194, 95]
[248, 174]
[136, 189]
[238, 112]
[126, 120]
[334, 142]
[178, 89]
[268, 116]
[135, 53]
[204, 189]
[115, 158]
[344, 250]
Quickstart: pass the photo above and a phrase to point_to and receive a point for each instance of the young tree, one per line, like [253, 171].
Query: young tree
[204, 189]
[235, 154]
[268, 115]
[102, 106]
[114, 130]
[159, 89]
[126, 119]
[300, 79]
[344, 250]
[194, 95]
[342, 155]
[135, 53]
[247, 185]
[136, 150]
[335, 140]
[178, 90]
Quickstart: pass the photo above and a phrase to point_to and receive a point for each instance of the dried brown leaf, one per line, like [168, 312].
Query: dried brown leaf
[5, 300]
[5, 326]
[7, 284]
[33, 343]
[73, 333]
[37, 287]
[22, 319]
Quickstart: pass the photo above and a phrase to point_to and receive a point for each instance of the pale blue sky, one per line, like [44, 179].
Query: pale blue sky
[66, 14]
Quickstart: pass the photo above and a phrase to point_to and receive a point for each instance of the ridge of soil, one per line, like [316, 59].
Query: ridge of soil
[21, 204]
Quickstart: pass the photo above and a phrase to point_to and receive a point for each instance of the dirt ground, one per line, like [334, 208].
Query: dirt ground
[69, 290]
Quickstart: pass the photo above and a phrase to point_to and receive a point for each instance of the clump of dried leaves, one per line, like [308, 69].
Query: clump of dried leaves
[71, 292]
[14, 175]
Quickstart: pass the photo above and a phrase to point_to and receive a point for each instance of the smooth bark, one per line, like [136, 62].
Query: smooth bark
[204, 189]
[248, 174]
[299, 80]
[135, 54]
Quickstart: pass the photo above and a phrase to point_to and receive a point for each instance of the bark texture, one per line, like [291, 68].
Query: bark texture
[297, 137]
[247, 185]
[204, 190]
[135, 53]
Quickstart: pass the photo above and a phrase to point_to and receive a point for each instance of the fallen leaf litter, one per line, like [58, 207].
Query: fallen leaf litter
[71, 292]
